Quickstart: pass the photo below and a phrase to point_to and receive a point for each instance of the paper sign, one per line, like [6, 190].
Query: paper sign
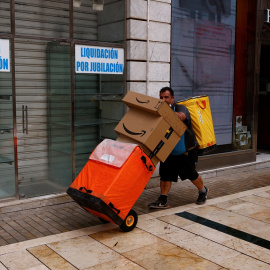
[4, 55]
[100, 60]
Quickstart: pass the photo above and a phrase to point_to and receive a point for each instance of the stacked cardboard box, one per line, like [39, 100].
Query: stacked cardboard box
[151, 123]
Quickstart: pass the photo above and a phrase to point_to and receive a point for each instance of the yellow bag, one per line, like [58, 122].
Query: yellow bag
[202, 123]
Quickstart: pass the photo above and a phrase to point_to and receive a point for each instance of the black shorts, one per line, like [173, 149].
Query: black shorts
[183, 166]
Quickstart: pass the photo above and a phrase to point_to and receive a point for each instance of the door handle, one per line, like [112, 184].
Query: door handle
[25, 119]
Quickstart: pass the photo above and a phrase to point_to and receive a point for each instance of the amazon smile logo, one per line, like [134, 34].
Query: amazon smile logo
[147, 101]
[134, 133]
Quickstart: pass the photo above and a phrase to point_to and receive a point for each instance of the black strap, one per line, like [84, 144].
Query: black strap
[155, 151]
[149, 168]
[87, 190]
[112, 206]
[169, 133]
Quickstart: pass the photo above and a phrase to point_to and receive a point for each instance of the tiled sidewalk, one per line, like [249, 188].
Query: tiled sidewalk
[17, 225]
[228, 232]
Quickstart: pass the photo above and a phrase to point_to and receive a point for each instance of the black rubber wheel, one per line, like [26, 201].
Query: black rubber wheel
[104, 221]
[130, 221]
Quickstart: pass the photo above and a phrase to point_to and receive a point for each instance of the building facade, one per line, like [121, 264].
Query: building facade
[65, 66]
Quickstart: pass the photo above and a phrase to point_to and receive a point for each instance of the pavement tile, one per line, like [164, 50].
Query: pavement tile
[122, 263]
[250, 249]
[65, 222]
[208, 233]
[22, 260]
[122, 242]
[176, 220]
[30, 226]
[254, 227]
[3, 242]
[258, 200]
[11, 231]
[167, 232]
[55, 223]
[165, 255]
[242, 261]
[50, 258]
[46, 225]
[264, 194]
[207, 249]
[83, 252]
[2, 267]
[262, 216]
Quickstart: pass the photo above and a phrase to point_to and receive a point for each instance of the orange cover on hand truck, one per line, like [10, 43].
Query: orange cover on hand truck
[112, 180]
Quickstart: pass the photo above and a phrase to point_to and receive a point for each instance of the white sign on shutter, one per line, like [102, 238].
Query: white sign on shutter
[4, 55]
[101, 60]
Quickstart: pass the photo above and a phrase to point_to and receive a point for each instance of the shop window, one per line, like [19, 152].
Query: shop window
[207, 56]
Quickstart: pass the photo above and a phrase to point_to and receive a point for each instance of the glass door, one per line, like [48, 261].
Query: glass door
[7, 168]
[43, 107]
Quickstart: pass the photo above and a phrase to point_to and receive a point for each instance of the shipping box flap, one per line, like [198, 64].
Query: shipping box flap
[157, 107]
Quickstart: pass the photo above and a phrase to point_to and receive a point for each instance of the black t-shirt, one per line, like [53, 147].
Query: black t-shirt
[190, 138]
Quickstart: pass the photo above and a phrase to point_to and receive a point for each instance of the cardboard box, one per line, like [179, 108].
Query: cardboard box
[125, 139]
[157, 107]
[151, 130]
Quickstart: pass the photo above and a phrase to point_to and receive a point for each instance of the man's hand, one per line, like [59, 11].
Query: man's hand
[181, 115]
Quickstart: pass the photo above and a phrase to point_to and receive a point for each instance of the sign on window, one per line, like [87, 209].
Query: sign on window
[4, 55]
[101, 60]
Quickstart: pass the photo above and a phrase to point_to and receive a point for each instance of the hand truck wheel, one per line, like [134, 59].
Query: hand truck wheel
[130, 221]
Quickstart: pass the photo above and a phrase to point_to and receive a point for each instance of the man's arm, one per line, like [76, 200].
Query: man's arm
[181, 115]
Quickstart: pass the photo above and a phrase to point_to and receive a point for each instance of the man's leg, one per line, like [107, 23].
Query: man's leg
[198, 183]
[162, 201]
[165, 187]
[202, 190]
[167, 171]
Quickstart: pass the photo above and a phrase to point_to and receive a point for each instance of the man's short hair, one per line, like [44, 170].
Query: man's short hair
[167, 88]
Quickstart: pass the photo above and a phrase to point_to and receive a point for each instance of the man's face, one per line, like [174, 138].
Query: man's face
[167, 97]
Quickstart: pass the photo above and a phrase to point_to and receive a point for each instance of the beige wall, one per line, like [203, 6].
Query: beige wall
[148, 45]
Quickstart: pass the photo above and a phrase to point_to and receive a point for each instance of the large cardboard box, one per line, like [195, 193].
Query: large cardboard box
[152, 124]
[157, 107]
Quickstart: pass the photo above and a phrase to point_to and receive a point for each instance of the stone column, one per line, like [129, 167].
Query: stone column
[148, 45]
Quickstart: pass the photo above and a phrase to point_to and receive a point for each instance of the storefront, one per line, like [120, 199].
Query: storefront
[55, 109]
[56, 105]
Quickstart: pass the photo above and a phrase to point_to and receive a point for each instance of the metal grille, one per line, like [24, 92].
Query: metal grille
[48, 18]
[5, 16]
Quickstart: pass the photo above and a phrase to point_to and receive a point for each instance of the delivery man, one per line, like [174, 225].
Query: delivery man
[183, 159]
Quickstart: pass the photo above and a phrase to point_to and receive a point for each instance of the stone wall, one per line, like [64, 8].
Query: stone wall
[148, 45]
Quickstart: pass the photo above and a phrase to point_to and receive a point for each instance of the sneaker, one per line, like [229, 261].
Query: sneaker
[158, 204]
[202, 197]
